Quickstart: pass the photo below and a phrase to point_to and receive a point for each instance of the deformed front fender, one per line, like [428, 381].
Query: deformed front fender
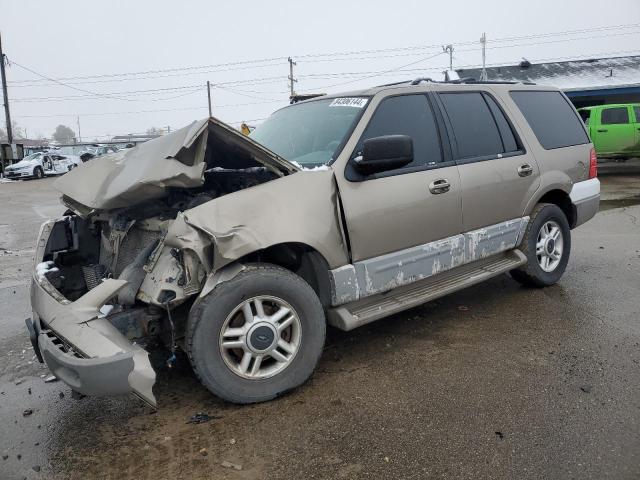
[301, 207]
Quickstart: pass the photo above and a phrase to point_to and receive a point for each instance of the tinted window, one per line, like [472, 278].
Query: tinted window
[476, 132]
[636, 110]
[552, 118]
[407, 115]
[508, 138]
[585, 114]
[612, 116]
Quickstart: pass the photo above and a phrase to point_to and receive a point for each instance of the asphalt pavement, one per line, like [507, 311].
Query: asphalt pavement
[497, 381]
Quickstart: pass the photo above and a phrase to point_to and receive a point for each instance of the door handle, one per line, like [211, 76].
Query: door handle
[602, 130]
[439, 186]
[525, 170]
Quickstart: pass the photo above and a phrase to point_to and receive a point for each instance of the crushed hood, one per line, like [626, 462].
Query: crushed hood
[134, 175]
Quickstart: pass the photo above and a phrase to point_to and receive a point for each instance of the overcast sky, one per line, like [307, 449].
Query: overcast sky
[184, 44]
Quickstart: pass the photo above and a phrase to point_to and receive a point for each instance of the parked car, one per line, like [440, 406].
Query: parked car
[339, 210]
[614, 129]
[41, 164]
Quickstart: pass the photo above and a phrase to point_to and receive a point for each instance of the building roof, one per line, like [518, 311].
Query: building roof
[571, 75]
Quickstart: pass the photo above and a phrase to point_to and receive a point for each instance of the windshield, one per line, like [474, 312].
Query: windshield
[33, 156]
[310, 133]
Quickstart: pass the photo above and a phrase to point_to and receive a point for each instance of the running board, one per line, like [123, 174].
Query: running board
[352, 315]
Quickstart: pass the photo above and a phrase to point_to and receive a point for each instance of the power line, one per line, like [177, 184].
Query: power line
[62, 83]
[274, 61]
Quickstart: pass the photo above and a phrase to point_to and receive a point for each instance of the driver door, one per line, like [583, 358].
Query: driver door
[420, 203]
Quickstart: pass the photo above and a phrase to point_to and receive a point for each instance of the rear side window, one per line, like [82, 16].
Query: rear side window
[407, 115]
[551, 117]
[636, 111]
[476, 132]
[616, 115]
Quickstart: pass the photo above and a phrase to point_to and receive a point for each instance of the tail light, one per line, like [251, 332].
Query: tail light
[593, 164]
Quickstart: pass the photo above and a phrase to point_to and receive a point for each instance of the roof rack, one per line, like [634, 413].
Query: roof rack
[459, 81]
[304, 96]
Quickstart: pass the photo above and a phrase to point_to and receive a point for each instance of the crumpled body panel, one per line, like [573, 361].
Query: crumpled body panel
[132, 176]
[297, 208]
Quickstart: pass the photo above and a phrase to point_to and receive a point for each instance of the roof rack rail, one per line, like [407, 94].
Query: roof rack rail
[419, 80]
[459, 81]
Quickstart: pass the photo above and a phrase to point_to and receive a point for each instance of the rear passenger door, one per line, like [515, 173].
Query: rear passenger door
[615, 133]
[498, 176]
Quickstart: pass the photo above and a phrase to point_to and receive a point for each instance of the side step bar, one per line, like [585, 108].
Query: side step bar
[352, 315]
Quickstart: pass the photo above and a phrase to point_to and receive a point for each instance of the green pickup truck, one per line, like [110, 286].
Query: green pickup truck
[614, 129]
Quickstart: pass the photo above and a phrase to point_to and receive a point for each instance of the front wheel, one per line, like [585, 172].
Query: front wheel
[38, 173]
[257, 335]
[547, 245]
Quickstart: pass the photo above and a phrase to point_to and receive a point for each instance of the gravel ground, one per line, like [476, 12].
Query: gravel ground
[497, 381]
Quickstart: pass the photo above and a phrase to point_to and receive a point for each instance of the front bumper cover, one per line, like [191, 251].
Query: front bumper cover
[84, 349]
[79, 345]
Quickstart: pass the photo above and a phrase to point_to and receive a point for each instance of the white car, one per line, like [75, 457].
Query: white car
[41, 164]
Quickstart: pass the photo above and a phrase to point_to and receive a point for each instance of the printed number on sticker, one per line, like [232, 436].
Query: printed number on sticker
[349, 102]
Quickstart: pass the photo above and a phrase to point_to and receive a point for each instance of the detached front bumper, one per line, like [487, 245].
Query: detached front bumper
[81, 347]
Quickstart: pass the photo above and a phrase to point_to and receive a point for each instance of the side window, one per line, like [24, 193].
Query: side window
[616, 115]
[476, 132]
[551, 117]
[585, 115]
[407, 115]
[506, 132]
[636, 111]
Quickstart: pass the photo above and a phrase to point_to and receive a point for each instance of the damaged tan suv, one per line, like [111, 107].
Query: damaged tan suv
[341, 209]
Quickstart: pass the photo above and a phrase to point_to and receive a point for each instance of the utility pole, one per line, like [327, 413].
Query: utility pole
[7, 115]
[209, 97]
[449, 49]
[292, 80]
[79, 134]
[483, 42]
[168, 128]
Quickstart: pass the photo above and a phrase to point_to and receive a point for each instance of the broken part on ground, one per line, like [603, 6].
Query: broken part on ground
[150, 230]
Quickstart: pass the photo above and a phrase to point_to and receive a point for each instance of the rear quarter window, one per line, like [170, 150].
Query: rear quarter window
[551, 117]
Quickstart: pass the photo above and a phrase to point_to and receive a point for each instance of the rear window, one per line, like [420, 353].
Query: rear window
[613, 116]
[551, 117]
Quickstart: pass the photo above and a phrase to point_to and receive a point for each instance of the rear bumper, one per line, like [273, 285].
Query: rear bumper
[80, 346]
[585, 197]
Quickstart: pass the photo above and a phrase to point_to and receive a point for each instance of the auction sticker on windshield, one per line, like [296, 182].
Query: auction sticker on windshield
[349, 102]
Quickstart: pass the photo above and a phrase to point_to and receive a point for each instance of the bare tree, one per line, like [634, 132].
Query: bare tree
[17, 130]
[64, 134]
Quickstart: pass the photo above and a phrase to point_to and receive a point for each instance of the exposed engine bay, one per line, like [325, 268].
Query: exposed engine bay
[135, 243]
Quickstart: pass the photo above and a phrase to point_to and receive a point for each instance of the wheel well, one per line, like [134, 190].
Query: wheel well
[562, 200]
[301, 259]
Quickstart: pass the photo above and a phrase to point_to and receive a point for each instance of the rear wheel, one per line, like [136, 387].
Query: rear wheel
[38, 172]
[547, 245]
[257, 335]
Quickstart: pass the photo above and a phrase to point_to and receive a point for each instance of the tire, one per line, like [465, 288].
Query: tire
[38, 173]
[211, 319]
[535, 273]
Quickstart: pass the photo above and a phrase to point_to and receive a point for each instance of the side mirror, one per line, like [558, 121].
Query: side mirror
[381, 154]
